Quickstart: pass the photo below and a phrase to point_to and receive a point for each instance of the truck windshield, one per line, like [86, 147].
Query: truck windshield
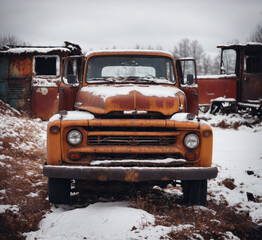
[228, 64]
[126, 68]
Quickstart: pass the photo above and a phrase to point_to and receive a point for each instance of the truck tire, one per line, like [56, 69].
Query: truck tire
[59, 190]
[195, 192]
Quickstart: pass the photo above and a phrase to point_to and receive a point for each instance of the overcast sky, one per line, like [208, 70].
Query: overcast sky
[98, 24]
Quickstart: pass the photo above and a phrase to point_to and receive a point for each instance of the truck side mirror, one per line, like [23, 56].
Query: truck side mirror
[71, 78]
[190, 79]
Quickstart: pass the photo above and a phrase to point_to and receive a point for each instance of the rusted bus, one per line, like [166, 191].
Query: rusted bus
[30, 77]
[211, 87]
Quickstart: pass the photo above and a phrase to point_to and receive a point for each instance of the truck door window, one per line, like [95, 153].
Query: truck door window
[47, 65]
[252, 64]
[228, 64]
[188, 71]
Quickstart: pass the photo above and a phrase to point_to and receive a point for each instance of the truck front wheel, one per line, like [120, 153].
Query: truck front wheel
[195, 192]
[59, 190]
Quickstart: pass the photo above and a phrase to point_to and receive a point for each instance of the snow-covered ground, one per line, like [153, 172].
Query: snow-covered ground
[237, 154]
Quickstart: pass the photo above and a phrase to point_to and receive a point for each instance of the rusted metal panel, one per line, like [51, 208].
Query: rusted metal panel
[19, 79]
[251, 78]
[19, 96]
[216, 86]
[45, 81]
[252, 89]
[192, 99]
[67, 95]
[44, 102]
[4, 63]
[20, 67]
[128, 174]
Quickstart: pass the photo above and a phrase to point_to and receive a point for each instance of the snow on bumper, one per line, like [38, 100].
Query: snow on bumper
[130, 174]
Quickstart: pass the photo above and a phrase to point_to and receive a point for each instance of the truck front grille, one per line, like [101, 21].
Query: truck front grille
[132, 140]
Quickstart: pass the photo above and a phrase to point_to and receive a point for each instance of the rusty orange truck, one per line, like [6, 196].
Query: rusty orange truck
[128, 116]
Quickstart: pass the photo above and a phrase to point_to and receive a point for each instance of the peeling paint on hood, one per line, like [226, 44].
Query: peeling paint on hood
[102, 99]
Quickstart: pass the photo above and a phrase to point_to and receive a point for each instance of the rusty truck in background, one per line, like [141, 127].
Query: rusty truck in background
[239, 87]
[30, 76]
[128, 117]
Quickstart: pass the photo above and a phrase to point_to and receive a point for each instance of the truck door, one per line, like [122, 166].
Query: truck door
[72, 78]
[186, 70]
[45, 80]
[252, 76]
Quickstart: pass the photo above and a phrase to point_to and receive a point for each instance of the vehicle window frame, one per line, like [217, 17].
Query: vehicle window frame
[172, 79]
[58, 65]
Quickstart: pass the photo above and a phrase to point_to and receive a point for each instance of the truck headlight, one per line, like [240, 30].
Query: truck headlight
[191, 141]
[74, 137]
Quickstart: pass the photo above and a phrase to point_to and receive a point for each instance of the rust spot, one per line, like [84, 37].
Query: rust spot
[122, 102]
[165, 179]
[132, 176]
[102, 177]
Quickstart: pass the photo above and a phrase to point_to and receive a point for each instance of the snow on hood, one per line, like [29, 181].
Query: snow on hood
[146, 90]
[106, 98]
[73, 115]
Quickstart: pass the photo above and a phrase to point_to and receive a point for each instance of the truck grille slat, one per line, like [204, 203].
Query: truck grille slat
[131, 140]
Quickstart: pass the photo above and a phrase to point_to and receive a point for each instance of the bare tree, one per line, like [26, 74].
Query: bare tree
[216, 65]
[256, 35]
[183, 49]
[197, 50]
[159, 47]
[206, 65]
[198, 53]
[187, 48]
[137, 46]
[10, 40]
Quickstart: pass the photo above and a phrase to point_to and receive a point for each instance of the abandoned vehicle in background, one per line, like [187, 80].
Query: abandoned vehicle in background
[30, 76]
[239, 87]
[128, 117]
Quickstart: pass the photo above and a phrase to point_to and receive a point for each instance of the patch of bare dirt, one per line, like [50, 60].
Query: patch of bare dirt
[213, 221]
[23, 189]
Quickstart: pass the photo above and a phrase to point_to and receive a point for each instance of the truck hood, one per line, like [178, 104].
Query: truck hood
[106, 98]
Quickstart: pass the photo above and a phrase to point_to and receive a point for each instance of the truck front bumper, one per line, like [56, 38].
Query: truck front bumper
[130, 174]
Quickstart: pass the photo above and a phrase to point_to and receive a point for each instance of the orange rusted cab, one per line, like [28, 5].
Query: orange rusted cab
[124, 119]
